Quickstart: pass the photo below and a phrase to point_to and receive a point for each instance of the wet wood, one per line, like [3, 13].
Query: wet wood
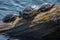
[36, 27]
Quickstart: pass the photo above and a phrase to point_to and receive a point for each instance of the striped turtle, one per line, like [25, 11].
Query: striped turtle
[32, 10]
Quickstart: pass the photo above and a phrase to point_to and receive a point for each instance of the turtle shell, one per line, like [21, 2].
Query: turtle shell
[27, 11]
[9, 18]
[46, 7]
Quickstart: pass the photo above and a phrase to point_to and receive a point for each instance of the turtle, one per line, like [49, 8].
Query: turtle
[8, 22]
[35, 9]
[9, 18]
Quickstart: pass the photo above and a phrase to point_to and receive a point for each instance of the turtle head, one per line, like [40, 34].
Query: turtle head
[9, 18]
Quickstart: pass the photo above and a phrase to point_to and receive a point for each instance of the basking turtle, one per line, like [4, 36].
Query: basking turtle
[34, 9]
[43, 26]
[9, 21]
[46, 7]
[9, 18]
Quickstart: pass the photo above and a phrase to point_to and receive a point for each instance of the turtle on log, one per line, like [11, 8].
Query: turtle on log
[36, 23]
[33, 10]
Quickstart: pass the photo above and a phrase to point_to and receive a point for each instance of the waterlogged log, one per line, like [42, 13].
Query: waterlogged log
[6, 26]
[38, 26]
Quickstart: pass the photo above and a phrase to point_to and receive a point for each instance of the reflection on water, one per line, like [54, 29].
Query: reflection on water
[14, 6]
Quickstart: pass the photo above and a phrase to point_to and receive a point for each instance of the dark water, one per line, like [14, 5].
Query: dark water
[14, 6]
